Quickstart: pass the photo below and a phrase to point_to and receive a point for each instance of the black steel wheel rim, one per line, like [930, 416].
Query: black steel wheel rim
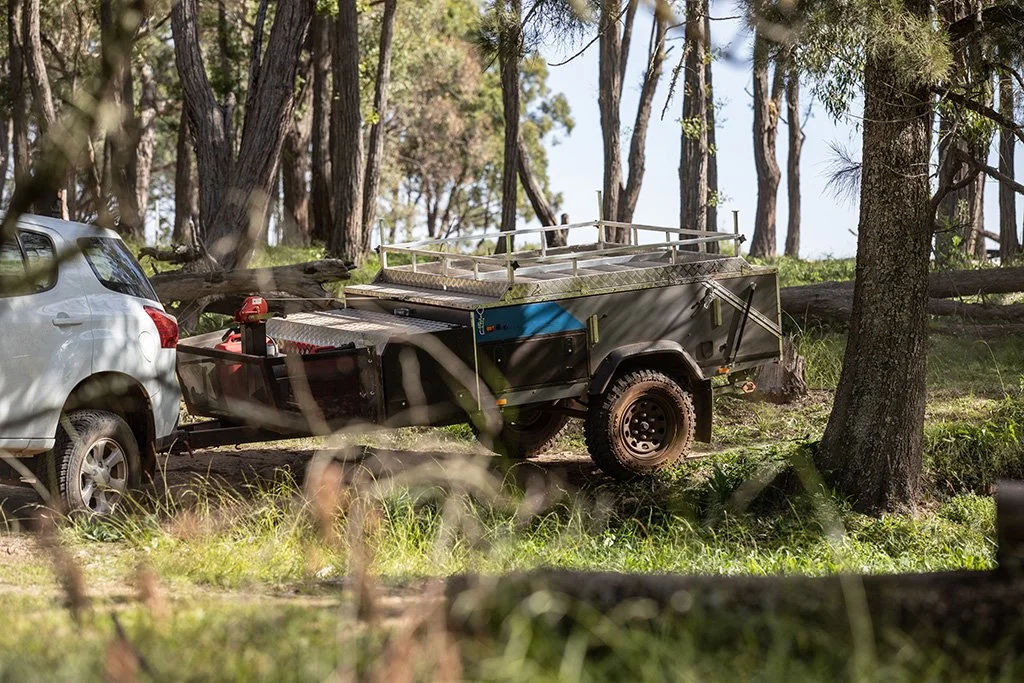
[648, 426]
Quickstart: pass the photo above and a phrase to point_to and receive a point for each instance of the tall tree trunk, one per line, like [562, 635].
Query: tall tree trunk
[871, 450]
[535, 192]
[509, 54]
[320, 192]
[977, 244]
[961, 213]
[1008, 240]
[766, 127]
[347, 137]
[693, 163]
[609, 97]
[375, 158]
[294, 171]
[6, 138]
[713, 196]
[796, 143]
[630, 193]
[53, 200]
[119, 156]
[186, 194]
[145, 146]
[233, 196]
[18, 94]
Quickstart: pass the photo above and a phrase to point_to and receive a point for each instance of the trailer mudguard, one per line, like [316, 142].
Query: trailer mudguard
[665, 355]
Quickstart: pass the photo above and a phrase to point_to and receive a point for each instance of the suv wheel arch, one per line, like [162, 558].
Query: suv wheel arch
[125, 397]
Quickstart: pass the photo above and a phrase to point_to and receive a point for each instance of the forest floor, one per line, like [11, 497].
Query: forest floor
[230, 569]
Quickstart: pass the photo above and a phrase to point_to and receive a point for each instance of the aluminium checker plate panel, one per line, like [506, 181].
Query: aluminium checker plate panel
[344, 326]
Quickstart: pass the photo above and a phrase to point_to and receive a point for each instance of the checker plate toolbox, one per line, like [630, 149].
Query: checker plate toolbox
[454, 326]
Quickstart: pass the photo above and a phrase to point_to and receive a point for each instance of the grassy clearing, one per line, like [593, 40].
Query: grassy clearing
[245, 640]
[261, 575]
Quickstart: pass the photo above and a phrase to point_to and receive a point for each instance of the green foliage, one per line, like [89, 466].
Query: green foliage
[794, 272]
[972, 456]
[836, 39]
[448, 123]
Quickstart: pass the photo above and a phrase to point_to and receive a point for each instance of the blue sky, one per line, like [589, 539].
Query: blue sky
[575, 162]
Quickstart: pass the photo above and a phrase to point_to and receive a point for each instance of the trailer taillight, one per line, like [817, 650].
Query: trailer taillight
[166, 327]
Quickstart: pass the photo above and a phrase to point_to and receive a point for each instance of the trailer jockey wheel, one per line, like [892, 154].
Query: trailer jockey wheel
[643, 423]
[525, 431]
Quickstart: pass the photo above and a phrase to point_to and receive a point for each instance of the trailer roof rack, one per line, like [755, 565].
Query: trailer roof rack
[453, 274]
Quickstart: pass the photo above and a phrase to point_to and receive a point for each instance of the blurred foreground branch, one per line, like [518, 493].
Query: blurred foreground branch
[303, 281]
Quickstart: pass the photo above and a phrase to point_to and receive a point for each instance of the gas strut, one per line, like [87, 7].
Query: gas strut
[743, 323]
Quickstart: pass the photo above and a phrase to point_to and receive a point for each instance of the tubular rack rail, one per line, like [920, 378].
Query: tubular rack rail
[443, 257]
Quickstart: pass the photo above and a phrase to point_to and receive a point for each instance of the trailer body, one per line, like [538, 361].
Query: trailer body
[448, 335]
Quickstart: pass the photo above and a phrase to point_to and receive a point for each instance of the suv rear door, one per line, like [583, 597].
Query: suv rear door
[45, 328]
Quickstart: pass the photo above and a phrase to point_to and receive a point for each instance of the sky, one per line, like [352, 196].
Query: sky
[829, 224]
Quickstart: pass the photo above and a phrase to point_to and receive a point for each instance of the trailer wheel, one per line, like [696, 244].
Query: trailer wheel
[97, 461]
[643, 423]
[526, 431]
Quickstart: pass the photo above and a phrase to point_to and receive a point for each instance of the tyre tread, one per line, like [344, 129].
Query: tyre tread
[600, 441]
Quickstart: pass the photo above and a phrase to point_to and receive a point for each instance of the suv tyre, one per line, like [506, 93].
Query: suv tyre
[97, 461]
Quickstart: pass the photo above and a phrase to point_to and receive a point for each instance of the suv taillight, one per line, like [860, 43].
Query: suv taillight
[166, 327]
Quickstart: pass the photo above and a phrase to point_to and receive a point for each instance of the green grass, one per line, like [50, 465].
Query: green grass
[258, 580]
[794, 272]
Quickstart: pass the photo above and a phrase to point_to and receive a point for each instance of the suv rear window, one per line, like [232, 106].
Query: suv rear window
[27, 264]
[115, 267]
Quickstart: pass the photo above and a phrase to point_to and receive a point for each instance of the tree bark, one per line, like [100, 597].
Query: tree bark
[294, 190]
[295, 167]
[979, 607]
[233, 195]
[145, 145]
[630, 193]
[1008, 240]
[18, 94]
[509, 54]
[320, 192]
[119, 179]
[766, 127]
[693, 163]
[831, 302]
[6, 138]
[785, 380]
[834, 300]
[186, 194]
[375, 158]
[347, 137]
[796, 143]
[713, 197]
[961, 212]
[52, 200]
[301, 280]
[609, 98]
[535, 192]
[871, 449]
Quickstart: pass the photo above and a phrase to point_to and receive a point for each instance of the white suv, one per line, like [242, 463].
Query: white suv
[86, 361]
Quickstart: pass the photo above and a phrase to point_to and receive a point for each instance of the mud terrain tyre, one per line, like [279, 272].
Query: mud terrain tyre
[97, 461]
[643, 423]
[526, 431]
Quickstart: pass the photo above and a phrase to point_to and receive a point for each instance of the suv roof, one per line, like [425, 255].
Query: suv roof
[66, 229]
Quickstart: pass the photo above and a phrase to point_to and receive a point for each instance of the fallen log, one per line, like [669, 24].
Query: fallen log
[833, 301]
[978, 607]
[301, 280]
